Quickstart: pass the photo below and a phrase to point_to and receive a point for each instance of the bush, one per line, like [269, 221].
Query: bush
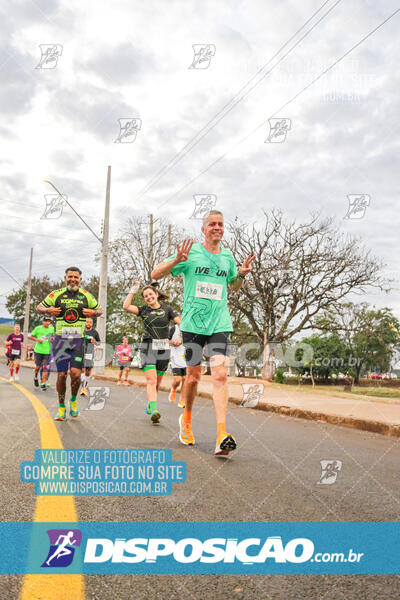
[279, 376]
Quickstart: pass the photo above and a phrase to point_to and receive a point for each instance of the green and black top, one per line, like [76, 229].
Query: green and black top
[156, 321]
[71, 320]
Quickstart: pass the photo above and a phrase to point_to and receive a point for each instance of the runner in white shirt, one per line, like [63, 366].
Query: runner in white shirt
[178, 364]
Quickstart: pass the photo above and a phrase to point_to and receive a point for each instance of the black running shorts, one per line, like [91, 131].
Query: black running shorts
[211, 345]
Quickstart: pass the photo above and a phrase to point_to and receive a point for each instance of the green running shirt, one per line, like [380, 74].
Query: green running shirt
[72, 305]
[45, 334]
[205, 279]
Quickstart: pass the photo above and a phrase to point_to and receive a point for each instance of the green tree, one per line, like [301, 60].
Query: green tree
[15, 301]
[370, 334]
[329, 356]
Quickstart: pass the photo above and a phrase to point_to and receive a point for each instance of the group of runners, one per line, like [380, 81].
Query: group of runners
[44, 357]
[204, 326]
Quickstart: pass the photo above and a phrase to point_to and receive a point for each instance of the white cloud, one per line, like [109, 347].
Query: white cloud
[131, 60]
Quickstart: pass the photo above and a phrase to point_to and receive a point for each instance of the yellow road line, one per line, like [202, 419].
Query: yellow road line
[51, 509]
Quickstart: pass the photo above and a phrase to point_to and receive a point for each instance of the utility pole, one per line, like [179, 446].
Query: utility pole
[101, 321]
[28, 305]
[151, 246]
[169, 254]
[268, 360]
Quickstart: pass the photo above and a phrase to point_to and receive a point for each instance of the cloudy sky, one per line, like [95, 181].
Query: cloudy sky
[130, 60]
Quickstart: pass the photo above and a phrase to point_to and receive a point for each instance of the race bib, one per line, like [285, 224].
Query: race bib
[211, 291]
[15, 352]
[88, 356]
[160, 345]
[71, 332]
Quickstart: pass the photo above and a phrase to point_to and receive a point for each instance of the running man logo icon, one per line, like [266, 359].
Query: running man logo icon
[203, 203]
[278, 129]
[63, 543]
[358, 204]
[54, 206]
[252, 393]
[203, 54]
[97, 397]
[128, 129]
[330, 470]
[50, 56]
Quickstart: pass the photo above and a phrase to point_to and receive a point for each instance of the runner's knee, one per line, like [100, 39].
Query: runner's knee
[219, 376]
[193, 377]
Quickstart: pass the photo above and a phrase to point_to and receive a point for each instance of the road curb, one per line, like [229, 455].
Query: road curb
[299, 413]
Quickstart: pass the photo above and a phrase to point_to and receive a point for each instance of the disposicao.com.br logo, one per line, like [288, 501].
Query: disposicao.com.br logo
[213, 550]
[62, 547]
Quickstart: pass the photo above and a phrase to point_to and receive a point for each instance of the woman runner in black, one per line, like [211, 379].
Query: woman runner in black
[154, 348]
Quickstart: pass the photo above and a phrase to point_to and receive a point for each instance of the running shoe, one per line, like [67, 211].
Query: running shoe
[172, 395]
[11, 378]
[43, 387]
[62, 414]
[225, 444]
[73, 409]
[36, 382]
[185, 432]
[126, 382]
[16, 377]
[84, 391]
[155, 417]
[119, 382]
[181, 403]
[47, 384]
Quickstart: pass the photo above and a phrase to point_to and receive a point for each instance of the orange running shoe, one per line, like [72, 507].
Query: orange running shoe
[225, 444]
[119, 382]
[185, 432]
[126, 382]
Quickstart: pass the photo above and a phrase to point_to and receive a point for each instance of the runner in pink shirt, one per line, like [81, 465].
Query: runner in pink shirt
[124, 355]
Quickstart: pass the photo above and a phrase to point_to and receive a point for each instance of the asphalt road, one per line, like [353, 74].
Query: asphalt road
[271, 477]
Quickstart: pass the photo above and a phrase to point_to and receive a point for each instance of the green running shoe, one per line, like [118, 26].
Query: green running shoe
[61, 414]
[155, 417]
[73, 409]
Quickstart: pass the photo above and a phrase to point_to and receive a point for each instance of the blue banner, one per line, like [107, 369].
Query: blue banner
[203, 548]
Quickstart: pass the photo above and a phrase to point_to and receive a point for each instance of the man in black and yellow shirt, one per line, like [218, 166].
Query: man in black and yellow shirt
[70, 306]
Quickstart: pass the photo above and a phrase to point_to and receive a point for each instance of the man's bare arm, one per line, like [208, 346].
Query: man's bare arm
[165, 268]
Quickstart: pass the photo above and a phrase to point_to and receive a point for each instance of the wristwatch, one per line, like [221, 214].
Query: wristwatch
[241, 276]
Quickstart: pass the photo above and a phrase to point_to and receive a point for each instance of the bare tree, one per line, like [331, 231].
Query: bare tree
[299, 271]
[131, 256]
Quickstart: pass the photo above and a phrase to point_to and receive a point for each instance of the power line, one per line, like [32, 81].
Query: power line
[239, 96]
[281, 107]
[72, 208]
[12, 276]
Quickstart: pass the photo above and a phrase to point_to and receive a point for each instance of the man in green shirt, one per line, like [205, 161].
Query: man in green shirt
[207, 270]
[42, 335]
[70, 305]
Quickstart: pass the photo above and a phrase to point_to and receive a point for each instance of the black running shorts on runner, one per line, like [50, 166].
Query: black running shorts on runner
[13, 357]
[42, 359]
[179, 372]
[217, 343]
[150, 357]
[88, 359]
[68, 353]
